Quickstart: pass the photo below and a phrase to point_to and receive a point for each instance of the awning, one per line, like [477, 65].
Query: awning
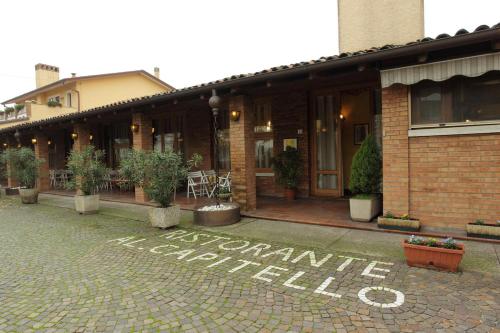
[443, 70]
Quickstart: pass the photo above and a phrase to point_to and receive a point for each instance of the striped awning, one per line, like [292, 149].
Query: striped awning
[443, 70]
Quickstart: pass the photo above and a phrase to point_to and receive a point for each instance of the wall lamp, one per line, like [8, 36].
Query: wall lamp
[74, 136]
[134, 128]
[341, 117]
[235, 115]
[5, 145]
[33, 141]
[91, 137]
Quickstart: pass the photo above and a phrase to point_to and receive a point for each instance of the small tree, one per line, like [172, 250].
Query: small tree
[366, 168]
[158, 173]
[23, 165]
[287, 166]
[88, 169]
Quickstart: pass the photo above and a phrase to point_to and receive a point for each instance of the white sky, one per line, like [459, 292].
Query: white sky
[191, 41]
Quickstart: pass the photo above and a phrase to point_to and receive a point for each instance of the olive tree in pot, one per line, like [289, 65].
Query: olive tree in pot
[287, 167]
[366, 173]
[159, 174]
[24, 167]
[88, 175]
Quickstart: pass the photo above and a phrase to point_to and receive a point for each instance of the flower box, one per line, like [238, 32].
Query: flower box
[433, 257]
[491, 231]
[394, 223]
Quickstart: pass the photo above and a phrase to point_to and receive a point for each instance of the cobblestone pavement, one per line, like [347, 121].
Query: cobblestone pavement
[61, 272]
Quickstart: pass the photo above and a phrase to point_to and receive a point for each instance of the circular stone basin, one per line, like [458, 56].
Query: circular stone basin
[210, 215]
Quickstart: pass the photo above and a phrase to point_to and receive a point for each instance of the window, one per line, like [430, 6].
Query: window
[263, 136]
[457, 101]
[168, 133]
[68, 99]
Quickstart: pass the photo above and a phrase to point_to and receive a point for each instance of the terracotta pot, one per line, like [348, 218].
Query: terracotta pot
[433, 257]
[290, 194]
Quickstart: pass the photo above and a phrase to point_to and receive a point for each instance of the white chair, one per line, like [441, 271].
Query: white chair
[197, 184]
[224, 183]
[52, 177]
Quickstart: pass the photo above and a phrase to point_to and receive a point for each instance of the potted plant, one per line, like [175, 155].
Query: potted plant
[480, 229]
[403, 222]
[287, 167]
[53, 103]
[366, 173]
[225, 194]
[88, 175]
[159, 174]
[24, 167]
[431, 253]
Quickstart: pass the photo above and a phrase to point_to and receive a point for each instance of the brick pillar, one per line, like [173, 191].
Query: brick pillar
[242, 141]
[83, 139]
[42, 152]
[142, 140]
[395, 149]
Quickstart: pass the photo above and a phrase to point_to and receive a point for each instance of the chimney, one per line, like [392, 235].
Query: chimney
[46, 74]
[364, 24]
[73, 74]
[157, 72]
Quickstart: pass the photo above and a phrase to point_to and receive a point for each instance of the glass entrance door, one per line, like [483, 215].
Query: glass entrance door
[326, 166]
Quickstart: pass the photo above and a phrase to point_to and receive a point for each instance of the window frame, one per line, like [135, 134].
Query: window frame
[268, 172]
[436, 126]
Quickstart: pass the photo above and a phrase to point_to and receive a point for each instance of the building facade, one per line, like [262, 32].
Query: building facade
[433, 105]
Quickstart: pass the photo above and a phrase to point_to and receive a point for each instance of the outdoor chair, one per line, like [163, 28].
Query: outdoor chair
[196, 184]
[224, 183]
[52, 178]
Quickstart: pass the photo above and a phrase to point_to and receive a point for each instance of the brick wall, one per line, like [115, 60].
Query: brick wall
[395, 149]
[198, 135]
[445, 181]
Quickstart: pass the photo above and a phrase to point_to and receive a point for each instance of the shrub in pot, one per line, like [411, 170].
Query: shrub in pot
[287, 166]
[25, 168]
[366, 174]
[88, 175]
[159, 174]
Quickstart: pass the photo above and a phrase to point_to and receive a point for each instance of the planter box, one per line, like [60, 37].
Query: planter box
[11, 191]
[364, 210]
[491, 231]
[398, 224]
[87, 204]
[165, 217]
[433, 257]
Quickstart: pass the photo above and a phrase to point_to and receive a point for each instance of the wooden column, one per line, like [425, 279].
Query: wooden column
[242, 141]
[142, 140]
[42, 152]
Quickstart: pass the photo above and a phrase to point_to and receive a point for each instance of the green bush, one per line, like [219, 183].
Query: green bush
[88, 169]
[19, 107]
[23, 165]
[366, 169]
[287, 167]
[158, 173]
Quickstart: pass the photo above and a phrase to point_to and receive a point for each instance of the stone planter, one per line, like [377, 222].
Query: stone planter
[165, 217]
[398, 224]
[212, 218]
[364, 210]
[491, 231]
[87, 204]
[28, 195]
[3, 192]
[433, 257]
